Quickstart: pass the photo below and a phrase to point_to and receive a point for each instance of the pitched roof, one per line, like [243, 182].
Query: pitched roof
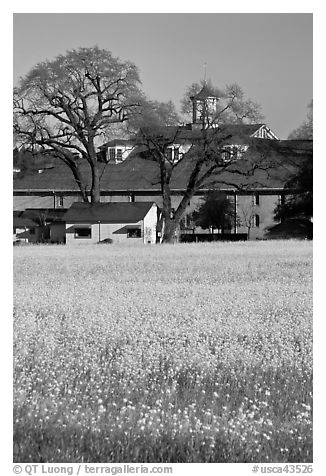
[205, 93]
[47, 214]
[20, 221]
[116, 142]
[140, 174]
[119, 212]
[189, 134]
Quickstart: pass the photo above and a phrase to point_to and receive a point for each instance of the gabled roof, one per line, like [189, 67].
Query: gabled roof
[140, 174]
[268, 133]
[117, 142]
[230, 133]
[130, 212]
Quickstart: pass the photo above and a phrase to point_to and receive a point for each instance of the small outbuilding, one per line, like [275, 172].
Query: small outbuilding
[25, 230]
[111, 222]
[50, 225]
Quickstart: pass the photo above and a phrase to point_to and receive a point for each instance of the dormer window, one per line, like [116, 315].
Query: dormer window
[226, 155]
[230, 152]
[176, 153]
[173, 153]
[112, 153]
[119, 155]
[115, 155]
[233, 152]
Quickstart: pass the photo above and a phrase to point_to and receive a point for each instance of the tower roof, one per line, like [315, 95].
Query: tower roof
[204, 93]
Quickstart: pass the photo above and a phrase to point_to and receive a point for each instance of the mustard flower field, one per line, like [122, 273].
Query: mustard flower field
[176, 353]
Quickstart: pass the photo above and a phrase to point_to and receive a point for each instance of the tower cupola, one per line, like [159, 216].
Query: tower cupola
[204, 107]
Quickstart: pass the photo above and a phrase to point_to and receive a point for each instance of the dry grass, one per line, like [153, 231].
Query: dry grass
[185, 353]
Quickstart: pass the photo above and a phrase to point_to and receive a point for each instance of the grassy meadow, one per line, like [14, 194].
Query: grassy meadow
[176, 353]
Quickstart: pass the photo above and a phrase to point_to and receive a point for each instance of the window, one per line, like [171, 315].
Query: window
[133, 233]
[281, 199]
[256, 221]
[60, 201]
[257, 198]
[119, 155]
[111, 153]
[83, 232]
[176, 153]
[173, 153]
[32, 231]
[226, 154]
[234, 152]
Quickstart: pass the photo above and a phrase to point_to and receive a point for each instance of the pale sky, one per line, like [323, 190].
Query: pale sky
[269, 55]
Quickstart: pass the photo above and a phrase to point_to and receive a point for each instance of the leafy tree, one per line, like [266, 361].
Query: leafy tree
[216, 212]
[201, 154]
[300, 204]
[232, 107]
[65, 105]
[305, 131]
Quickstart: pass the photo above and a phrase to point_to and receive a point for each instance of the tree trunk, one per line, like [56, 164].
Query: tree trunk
[80, 182]
[172, 224]
[169, 221]
[170, 228]
[95, 190]
[73, 165]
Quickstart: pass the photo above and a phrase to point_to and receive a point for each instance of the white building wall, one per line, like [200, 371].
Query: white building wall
[100, 231]
[150, 222]
[103, 231]
[265, 211]
[246, 209]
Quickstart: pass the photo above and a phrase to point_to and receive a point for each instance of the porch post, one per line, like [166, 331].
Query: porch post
[235, 212]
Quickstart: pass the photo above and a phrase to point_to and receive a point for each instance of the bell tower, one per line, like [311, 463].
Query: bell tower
[204, 107]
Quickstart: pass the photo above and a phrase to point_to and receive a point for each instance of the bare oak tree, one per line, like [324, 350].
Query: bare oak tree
[197, 154]
[64, 106]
